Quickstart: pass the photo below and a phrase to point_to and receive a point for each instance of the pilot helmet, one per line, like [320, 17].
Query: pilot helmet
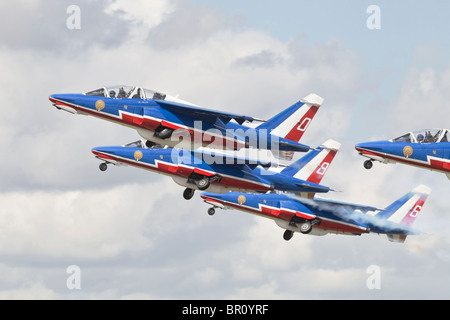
[420, 137]
[112, 93]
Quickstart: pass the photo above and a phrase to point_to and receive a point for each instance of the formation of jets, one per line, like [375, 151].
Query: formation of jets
[247, 164]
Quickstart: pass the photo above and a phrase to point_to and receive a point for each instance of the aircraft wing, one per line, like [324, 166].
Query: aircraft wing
[350, 206]
[212, 156]
[331, 204]
[203, 113]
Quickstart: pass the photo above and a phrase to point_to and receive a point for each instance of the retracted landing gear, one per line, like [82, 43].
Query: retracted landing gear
[368, 164]
[188, 193]
[306, 227]
[202, 182]
[163, 132]
[103, 166]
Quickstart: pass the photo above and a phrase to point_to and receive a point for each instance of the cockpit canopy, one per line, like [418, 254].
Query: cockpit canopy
[126, 92]
[144, 144]
[425, 136]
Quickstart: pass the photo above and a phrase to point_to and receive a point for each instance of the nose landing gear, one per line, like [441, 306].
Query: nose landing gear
[368, 164]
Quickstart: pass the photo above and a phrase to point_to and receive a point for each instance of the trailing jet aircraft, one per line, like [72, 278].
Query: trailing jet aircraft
[221, 172]
[320, 217]
[163, 119]
[429, 149]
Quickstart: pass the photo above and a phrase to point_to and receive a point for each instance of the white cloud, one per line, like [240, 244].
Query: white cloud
[141, 14]
[422, 100]
[79, 224]
[35, 291]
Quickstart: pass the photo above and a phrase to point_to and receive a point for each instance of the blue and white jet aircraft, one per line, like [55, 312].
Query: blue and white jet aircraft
[163, 119]
[429, 149]
[220, 172]
[320, 217]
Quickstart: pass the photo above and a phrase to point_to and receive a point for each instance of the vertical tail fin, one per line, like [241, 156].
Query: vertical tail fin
[293, 122]
[405, 210]
[313, 166]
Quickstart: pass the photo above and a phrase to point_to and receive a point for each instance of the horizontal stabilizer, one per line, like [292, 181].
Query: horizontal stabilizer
[400, 238]
[312, 187]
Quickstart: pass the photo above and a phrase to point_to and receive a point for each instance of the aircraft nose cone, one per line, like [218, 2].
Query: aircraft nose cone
[103, 150]
[62, 98]
[374, 146]
[205, 195]
[360, 146]
[57, 97]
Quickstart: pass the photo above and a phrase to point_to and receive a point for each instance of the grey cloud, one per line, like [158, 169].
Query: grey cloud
[41, 25]
[264, 59]
[188, 25]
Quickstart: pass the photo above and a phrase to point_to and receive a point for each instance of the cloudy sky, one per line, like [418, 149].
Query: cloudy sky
[130, 233]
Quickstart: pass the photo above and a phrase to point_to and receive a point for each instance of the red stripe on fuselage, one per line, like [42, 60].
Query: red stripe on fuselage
[329, 225]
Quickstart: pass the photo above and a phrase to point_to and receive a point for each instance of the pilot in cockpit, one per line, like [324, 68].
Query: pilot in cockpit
[429, 137]
[112, 94]
[420, 138]
[122, 93]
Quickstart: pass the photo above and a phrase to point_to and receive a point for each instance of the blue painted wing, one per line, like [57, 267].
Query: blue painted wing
[202, 113]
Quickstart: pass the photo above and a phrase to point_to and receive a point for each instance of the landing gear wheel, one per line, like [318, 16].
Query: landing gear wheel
[188, 193]
[203, 183]
[368, 164]
[287, 235]
[306, 227]
[164, 133]
[211, 211]
[103, 166]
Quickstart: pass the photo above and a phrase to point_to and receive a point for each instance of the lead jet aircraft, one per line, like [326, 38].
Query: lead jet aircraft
[163, 119]
[320, 217]
[219, 172]
[429, 149]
